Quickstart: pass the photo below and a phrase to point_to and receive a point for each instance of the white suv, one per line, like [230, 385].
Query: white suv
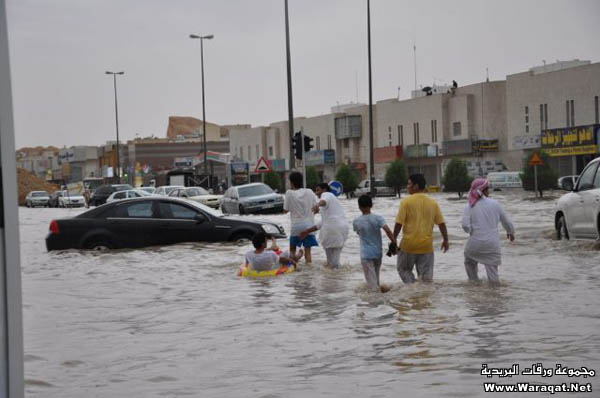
[577, 213]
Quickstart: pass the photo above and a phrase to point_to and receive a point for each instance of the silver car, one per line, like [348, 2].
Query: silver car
[37, 198]
[251, 198]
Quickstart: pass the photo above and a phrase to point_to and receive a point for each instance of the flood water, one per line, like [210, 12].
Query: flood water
[176, 321]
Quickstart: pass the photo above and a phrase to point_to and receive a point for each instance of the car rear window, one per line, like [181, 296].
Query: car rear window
[254, 190]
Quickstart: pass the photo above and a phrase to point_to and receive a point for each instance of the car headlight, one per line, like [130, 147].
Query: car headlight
[270, 228]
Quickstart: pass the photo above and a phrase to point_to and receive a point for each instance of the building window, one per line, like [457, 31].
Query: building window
[434, 131]
[546, 116]
[456, 129]
[257, 153]
[329, 142]
[596, 109]
[527, 128]
[389, 129]
[318, 143]
[400, 135]
[416, 132]
[249, 152]
[568, 114]
[270, 151]
[347, 143]
[541, 117]
[241, 152]
[572, 113]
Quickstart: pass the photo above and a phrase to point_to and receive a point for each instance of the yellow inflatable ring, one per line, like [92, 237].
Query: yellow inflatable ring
[246, 271]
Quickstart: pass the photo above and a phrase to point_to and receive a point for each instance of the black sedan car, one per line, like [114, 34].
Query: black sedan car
[151, 221]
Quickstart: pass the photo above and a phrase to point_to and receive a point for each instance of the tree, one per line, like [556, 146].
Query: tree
[312, 177]
[457, 178]
[547, 177]
[395, 175]
[346, 176]
[273, 180]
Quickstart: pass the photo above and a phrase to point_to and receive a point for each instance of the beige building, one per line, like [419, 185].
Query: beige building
[467, 122]
[549, 102]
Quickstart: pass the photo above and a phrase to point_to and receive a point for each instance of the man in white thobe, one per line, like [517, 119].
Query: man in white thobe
[480, 220]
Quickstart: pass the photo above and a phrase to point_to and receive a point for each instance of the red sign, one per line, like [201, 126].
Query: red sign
[262, 166]
[388, 154]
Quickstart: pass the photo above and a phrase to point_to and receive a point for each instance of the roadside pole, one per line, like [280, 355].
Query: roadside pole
[303, 157]
[535, 180]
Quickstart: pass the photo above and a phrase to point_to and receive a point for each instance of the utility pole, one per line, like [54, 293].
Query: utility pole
[289, 87]
[371, 158]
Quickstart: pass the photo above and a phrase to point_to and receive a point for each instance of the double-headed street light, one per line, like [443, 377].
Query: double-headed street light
[207, 37]
[114, 74]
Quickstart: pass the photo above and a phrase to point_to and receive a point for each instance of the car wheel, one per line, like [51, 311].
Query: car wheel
[98, 244]
[223, 209]
[27, 204]
[241, 209]
[561, 228]
[242, 238]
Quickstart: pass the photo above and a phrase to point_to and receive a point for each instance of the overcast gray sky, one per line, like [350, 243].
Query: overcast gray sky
[60, 50]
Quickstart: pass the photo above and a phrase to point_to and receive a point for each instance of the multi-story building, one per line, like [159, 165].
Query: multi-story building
[555, 107]
[467, 122]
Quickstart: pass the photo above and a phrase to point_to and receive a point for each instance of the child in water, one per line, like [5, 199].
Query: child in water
[265, 259]
[368, 228]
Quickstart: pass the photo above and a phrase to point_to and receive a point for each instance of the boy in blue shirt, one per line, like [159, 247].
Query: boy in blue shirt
[368, 228]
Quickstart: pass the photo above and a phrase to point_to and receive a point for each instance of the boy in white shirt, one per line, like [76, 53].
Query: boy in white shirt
[299, 202]
[263, 259]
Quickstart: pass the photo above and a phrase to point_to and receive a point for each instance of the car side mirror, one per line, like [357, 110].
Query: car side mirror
[200, 218]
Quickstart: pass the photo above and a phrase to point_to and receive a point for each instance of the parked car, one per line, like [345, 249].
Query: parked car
[199, 195]
[504, 180]
[127, 194]
[251, 198]
[67, 199]
[380, 189]
[165, 190]
[37, 198]
[148, 221]
[577, 213]
[150, 190]
[104, 191]
[567, 182]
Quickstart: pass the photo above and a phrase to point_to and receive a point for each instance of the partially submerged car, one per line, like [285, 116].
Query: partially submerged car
[251, 198]
[198, 194]
[150, 221]
[577, 213]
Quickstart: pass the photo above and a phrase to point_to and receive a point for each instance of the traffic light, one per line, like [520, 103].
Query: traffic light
[297, 145]
[308, 143]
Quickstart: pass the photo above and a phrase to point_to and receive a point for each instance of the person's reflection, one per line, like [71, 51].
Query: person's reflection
[486, 304]
[262, 291]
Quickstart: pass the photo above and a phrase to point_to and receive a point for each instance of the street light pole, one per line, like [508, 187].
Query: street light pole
[207, 37]
[289, 87]
[371, 157]
[114, 74]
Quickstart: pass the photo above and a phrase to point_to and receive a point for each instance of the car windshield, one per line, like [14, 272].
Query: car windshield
[254, 190]
[39, 194]
[168, 190]
[204, 208]
[196, 192]
[123, 187]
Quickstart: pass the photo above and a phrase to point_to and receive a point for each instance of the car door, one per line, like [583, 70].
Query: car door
[135, 224]
[183, 223]
[580, 224]
[592, 207]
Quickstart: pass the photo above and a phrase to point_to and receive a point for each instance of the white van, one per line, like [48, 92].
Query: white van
[505, 179]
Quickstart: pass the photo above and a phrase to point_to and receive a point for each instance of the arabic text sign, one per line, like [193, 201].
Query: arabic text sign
[569, 141]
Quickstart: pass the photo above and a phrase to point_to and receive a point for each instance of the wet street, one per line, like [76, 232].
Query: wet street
[176, 321]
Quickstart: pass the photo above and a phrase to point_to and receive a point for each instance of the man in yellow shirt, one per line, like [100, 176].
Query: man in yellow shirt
[418, 213]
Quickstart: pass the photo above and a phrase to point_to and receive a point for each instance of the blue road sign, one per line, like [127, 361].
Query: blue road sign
[336, 188]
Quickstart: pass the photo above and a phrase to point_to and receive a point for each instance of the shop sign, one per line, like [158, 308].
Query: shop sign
[570, 141]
